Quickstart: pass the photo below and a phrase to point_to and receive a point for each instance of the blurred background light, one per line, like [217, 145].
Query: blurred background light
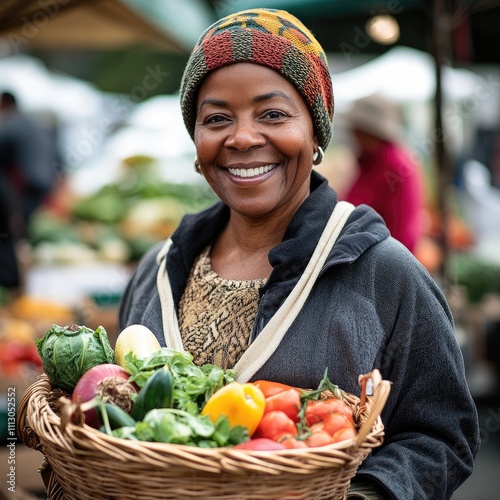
[383, 29]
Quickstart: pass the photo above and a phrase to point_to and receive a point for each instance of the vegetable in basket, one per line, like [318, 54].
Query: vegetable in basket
[270, 388]
[275, 425]
[172, 392]
[298, 418]
[242, 404]
[137, 339]
[158, 392]
[320, 410]
[113, 417]
[67, 352]
[171, 425]
[193, 385]
[108, 382]
[288, 401]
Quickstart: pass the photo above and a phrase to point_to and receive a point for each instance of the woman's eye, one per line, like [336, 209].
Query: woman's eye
[215, 119]
[275, 114]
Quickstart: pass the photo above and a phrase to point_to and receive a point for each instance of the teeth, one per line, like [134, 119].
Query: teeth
[250, 172]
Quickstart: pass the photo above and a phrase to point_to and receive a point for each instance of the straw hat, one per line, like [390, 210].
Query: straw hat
[377, 116]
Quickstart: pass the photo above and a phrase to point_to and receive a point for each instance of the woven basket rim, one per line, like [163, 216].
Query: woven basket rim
[41, 389]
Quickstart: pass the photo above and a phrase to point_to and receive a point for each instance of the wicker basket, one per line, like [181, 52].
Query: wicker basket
[82, 463]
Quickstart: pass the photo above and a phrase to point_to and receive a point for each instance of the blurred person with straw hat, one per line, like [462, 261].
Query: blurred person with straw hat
[388, 178]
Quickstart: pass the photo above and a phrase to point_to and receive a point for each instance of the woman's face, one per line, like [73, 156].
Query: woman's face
[255, 140]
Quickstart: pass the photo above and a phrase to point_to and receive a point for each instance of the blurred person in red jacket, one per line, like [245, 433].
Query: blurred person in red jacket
[388, 180]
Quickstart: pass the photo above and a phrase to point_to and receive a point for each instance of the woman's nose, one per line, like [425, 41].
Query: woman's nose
[244, 135]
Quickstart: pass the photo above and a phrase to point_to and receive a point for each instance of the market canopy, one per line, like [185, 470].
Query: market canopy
[166, 25]
[110, 43]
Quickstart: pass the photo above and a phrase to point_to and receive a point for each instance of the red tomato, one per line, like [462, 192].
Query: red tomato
[318, 411]
[342, 434]
[319, 437]
[337, 421]
[271, 388]
[287, 401]
[260, 444]
[275, 423]
[291, 442]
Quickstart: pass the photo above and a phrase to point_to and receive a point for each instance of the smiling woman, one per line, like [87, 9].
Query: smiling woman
[280, 281]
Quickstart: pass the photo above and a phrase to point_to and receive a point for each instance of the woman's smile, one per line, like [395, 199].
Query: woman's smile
[250, 172]
[250, 175]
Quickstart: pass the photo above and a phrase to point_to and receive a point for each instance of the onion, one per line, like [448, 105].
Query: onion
[110, 383]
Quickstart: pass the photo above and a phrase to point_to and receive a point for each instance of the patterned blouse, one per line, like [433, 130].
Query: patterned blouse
[216, 315]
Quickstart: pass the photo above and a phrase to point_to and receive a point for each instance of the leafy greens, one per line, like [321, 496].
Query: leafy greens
[193, 385]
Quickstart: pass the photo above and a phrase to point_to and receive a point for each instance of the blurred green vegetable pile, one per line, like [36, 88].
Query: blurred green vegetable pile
[479, 278]
[120, 221]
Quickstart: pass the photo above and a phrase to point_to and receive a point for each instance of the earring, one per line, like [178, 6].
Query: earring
[318, 156]
[197, 165]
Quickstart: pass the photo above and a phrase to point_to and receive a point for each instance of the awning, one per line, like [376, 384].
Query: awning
[169, 25]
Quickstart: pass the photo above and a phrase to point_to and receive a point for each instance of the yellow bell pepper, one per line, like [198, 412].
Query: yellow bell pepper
[242, 404]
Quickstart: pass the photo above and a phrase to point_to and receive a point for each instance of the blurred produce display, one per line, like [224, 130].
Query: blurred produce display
[479, 278]
[23, 319]
[119, 222]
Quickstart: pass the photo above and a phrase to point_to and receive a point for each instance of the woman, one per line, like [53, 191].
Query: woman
[257, 99]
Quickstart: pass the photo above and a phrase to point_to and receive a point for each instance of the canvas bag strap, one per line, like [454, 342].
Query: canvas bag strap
[271, 335]
[171, 332]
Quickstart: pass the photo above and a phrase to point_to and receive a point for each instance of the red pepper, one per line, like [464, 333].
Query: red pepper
[14, 355]
[287, 401]
[274, 424]
[271, 388]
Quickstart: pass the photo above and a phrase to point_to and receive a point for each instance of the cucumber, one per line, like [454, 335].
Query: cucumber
[116, 416]
[158, 392]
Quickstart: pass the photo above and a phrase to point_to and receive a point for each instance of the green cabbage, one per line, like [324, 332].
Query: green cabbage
[67, 352]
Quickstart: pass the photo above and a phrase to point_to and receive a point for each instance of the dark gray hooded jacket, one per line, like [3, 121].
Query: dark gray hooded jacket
[373, 306]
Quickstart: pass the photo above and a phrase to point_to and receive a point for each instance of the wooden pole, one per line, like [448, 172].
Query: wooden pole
[440, 51]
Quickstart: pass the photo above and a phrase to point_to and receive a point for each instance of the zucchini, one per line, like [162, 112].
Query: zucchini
[158, 392]
[116, 416]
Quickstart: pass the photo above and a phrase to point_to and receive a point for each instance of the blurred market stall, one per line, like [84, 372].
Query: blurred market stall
[108, 42]
[99, 25]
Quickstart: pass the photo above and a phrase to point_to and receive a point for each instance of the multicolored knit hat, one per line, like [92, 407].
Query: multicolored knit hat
[273, 38]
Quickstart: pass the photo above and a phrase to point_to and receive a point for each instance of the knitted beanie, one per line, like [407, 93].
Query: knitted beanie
[273, 38]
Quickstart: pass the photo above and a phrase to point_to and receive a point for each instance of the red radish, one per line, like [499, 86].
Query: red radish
[109, 382]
